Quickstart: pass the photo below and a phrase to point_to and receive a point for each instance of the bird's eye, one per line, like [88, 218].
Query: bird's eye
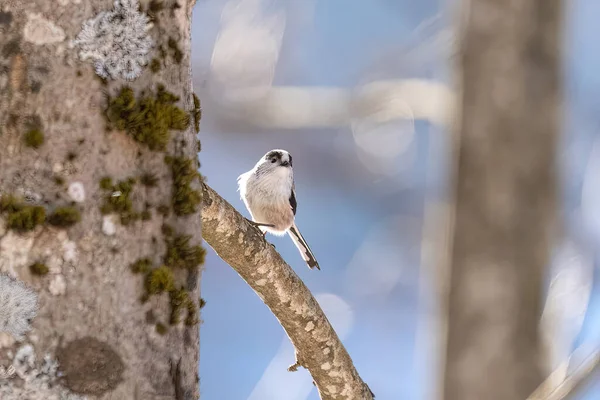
[273, 160]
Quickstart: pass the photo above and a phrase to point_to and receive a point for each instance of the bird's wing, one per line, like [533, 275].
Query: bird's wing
[293, 203]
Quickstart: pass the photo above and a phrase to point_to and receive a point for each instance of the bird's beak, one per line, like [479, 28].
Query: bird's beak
[285, 164]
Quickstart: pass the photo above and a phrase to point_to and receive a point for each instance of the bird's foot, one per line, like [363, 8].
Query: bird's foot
[257, 225]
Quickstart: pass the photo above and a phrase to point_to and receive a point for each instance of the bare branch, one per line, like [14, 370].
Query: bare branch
[318, 348]
[293, 107]
[572, 384]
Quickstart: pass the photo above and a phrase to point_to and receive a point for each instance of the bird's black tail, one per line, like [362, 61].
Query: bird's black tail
[302, 246]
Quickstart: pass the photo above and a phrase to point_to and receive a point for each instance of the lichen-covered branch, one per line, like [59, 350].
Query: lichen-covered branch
[318, 348]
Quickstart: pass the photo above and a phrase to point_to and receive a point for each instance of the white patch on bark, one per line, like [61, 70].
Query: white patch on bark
[109, 227]
[223, 223]
[39, 30]
[262, 269]
[76, 192]
[14, 252]
[261, 282]
[54, 264]
[326, 350]
[6, 340]
[332, 389]
[58, 285]
[326, 366]
[310, 326]
[69, 251]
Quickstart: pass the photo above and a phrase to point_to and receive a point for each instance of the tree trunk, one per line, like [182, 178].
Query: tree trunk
[66, 125]
[506, 197]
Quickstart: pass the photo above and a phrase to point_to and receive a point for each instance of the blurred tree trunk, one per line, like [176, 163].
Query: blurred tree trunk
[110, 345]
[506, 197]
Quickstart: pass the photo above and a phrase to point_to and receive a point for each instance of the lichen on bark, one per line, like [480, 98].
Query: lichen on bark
[87, 290]
[117, 41]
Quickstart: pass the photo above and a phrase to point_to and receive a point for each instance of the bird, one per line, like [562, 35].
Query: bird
[269, 193]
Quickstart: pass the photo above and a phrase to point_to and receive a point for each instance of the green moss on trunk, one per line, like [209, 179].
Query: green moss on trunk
[147, 119]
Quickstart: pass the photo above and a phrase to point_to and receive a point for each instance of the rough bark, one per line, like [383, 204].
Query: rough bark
[506, 197]
[90, 300]
[318, 348]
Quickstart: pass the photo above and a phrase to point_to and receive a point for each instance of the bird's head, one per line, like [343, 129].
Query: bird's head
[275, 159]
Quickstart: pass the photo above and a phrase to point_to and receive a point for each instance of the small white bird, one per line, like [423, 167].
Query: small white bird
[269, 194]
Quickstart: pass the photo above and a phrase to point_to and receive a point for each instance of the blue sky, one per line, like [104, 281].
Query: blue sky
[361, 226]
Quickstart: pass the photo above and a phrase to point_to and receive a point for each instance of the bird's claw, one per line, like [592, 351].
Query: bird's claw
[257, 225]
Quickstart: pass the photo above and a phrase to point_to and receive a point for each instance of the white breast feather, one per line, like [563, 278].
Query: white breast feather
[263, 194]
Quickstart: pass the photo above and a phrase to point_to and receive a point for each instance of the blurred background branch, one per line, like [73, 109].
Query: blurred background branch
[242, 69]
[560, 387]
[289, 107]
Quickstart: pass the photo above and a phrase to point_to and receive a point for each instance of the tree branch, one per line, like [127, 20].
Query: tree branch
[572, 384]
[318, 348]
[294, 107]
